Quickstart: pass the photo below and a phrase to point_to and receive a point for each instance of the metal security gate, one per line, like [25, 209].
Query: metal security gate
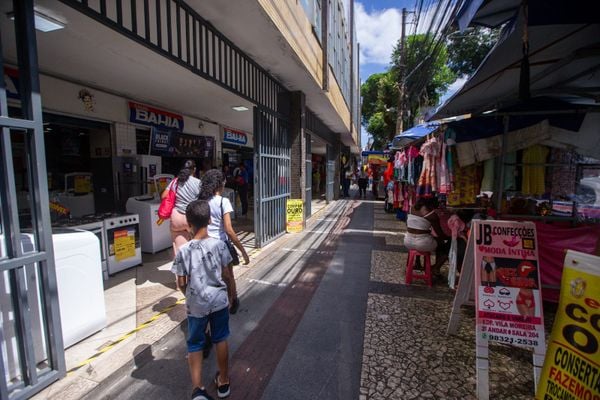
[31, 355]
[308, 180]
[272, 184]
[330, 174]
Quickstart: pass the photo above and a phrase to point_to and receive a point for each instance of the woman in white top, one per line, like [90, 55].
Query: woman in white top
[187, 188]
[220, 226]
[420, 224]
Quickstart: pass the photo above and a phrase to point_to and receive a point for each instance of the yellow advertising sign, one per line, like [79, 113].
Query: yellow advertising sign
[124, 244]
[377, 159]
[83, 184]
[294, 215]
[572, 365]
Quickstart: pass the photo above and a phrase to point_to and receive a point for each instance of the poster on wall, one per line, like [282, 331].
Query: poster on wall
[168, 143]
[572, 365]
[294, 215]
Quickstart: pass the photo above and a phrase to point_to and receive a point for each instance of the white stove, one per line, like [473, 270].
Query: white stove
[122, 241]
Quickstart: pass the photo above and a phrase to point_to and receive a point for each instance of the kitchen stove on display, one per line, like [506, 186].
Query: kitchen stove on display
[122, 241]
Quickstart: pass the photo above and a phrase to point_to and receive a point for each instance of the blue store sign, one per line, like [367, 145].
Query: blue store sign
[146, 115]
[235, 137]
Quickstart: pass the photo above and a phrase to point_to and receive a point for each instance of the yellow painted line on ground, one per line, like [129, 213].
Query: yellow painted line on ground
[126, 336]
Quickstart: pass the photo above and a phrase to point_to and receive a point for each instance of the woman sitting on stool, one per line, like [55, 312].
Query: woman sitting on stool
[420, 223]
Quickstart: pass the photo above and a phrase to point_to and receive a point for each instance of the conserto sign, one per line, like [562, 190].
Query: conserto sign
[234, 137]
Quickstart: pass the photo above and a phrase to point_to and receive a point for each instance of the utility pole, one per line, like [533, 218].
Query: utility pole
[402, 71]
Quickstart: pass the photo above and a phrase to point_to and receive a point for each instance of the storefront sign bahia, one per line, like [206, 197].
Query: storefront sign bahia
[235, 137]
[572, 365]
[146, 115]
[294, 215]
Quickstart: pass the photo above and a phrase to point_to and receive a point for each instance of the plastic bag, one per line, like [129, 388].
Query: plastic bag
[452, 259]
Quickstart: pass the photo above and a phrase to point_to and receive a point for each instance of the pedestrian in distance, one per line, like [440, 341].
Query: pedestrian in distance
[240, 176]
[362, 182]
[199, 266]
[186, 187]
[220, 226]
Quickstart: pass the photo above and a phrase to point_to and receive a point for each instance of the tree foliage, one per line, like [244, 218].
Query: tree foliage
[466, 50]
[427, 78]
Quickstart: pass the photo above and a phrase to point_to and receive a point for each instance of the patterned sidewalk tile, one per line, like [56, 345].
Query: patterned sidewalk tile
[388, 266]
[407, 355]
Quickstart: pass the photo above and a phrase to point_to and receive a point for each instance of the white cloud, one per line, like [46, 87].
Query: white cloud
[377, 32]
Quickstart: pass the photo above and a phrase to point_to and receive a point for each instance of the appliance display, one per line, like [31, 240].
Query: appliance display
[128, 182]
[78, 270]
[153, 237]
[94, 224]
[150, 166]
[77, 261]
[78, 196]
[122, 242]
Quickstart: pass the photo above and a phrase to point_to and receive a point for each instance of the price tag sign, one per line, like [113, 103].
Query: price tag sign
[83, 184]
[124, 244]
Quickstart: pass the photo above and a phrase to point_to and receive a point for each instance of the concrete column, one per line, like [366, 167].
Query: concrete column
[298, 144]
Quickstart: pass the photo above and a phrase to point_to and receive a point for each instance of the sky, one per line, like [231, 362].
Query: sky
[378, 28]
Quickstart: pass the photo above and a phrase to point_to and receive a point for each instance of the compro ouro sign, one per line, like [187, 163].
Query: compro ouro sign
[235, 137]
[146, 115]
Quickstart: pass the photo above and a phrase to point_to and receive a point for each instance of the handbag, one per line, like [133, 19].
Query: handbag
[235, 259]
[168, 203]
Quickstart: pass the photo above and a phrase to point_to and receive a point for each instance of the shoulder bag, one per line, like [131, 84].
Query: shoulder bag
[168, 203]
[234, 255]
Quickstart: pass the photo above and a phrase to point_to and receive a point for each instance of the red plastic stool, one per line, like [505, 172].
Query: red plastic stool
[410, 275]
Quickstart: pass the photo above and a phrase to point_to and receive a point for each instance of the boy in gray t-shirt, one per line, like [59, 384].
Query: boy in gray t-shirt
[199, 266]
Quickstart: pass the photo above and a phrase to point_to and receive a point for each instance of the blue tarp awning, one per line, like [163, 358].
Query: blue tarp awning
[414, 133]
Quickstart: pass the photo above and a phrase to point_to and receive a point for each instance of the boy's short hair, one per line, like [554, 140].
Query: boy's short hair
[198, 214]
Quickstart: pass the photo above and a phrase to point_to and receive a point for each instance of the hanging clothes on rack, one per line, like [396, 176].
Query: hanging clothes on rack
[534, 175]
[445, 185]
[428, 181]
[467, 185]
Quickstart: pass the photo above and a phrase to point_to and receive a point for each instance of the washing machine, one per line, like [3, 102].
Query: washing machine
[153, 237]
[80, 295]
[79, 283]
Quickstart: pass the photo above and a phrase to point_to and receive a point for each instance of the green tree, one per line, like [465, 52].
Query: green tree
[427, 75]
[380, 97]
[466, 50]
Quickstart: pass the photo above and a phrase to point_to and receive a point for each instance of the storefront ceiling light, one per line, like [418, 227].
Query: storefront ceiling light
[240, 108]
[43, 22]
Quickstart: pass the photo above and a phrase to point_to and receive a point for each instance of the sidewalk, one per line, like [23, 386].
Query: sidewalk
[325, 314]
[142, 307]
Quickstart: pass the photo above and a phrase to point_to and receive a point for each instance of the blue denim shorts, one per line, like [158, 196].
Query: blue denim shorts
[219, 329]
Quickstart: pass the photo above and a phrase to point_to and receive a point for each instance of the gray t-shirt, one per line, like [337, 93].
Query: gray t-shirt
[202, 261]
[186, 193]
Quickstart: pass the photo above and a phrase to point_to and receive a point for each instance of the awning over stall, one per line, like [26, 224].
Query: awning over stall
[414, 133]
[564, 61]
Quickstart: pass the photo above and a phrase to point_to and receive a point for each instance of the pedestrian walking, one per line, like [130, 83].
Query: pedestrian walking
[220, 226]
[363, 179]
[240, 176]
[199, 266]
[186, 187]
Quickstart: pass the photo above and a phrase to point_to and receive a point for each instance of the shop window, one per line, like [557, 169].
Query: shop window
[142, 138]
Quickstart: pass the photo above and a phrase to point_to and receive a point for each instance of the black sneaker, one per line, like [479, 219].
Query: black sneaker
[200, 394]
[222, 390]
[235, 305]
